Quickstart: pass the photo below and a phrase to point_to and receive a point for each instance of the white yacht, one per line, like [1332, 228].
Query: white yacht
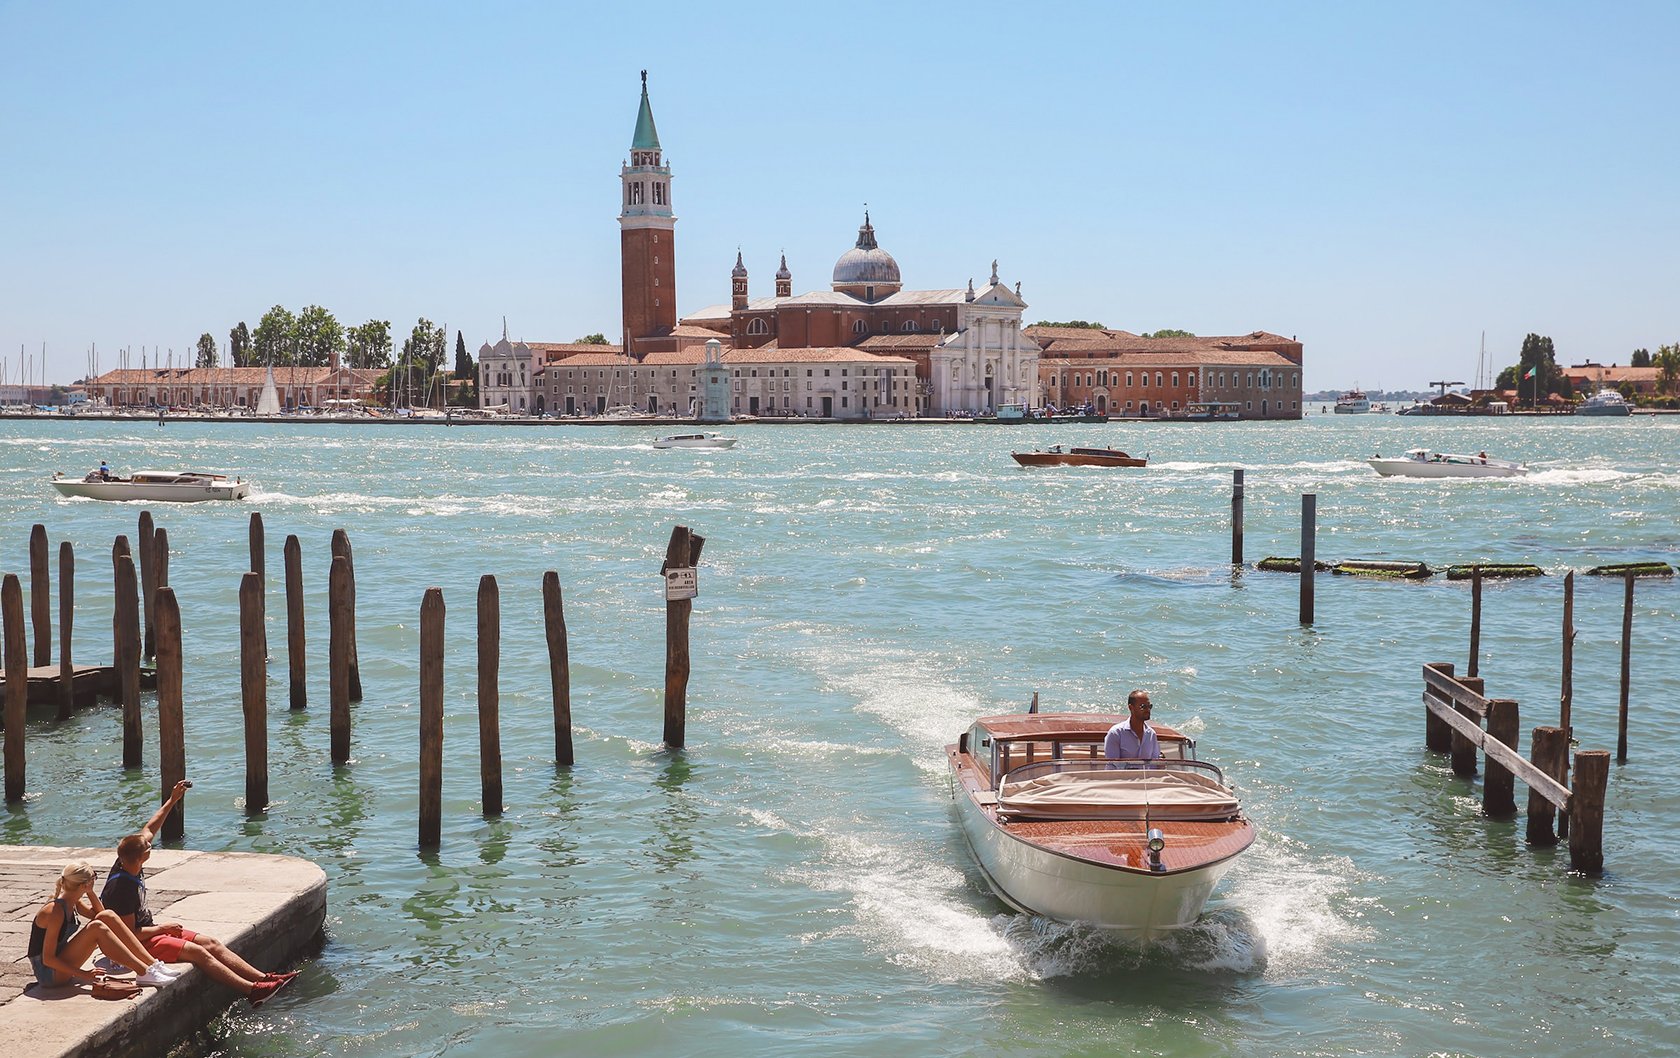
[174, 486]
[695, 440]
[1605, 402]
[1422, 463]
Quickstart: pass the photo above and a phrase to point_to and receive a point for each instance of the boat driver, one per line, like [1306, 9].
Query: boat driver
[1133, 738]
[104, 471]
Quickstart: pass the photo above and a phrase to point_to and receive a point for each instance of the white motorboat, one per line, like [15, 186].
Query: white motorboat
[1422, 463]
[1130, 846]
[695, 440]
[1353, 402]
[169, 486]
[1605, 402]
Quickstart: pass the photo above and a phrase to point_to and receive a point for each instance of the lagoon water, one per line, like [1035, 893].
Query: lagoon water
[794, 883]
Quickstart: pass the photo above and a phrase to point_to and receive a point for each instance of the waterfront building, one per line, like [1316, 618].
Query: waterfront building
[231, 387]
[1258, 375]
[506, 375]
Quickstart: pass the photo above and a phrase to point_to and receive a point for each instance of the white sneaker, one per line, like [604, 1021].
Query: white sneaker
[153, 978]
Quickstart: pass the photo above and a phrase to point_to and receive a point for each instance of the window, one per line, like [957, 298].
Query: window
[1192, 379]
[1175, 383]
[860, 327]
[909, 326]
[1102, 378]
[1145, 379]
[1158, 381]
[757, 325]
[1128, 386]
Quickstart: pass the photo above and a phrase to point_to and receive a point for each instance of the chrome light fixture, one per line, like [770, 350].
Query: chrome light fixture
[1157, 842]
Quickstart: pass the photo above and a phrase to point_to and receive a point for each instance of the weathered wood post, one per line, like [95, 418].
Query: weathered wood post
[172, 745]
[1567, 695]
[1437, 733]
[66, 619]
[431, 718]
[1475, 619]
[341, 546]
[160, 567]
[1627, 658]
[1309, 533]
[682, 552]
[1548, 752]
[298, 693]
[1586, 811]
[559, 666]
[1236, 517]
[338, 656]
[257, 567]
[148, 578]
[1498, 785]
[1464, 750]
[119, 548]
[489, 695]
[40, 595]
[253, 685]
[16, 659]
[128, 658]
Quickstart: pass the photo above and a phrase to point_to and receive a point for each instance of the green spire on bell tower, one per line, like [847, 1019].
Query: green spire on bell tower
[647, 137]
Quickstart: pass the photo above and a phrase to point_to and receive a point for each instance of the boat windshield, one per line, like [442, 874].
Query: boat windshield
[1116, 789]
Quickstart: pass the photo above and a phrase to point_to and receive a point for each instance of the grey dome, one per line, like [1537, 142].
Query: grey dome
[866, 262]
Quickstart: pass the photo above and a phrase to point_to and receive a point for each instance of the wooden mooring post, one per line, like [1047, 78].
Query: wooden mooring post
[128, 658]
[338, 656]
[40, 595]
[172, 744]
[1627, 659]
[489, 695]
[258, 562]
[296, 658]
[1566, 694]
[1475, 619]
[341, 546]
[1548, 752]
[559, 667]
[1309, 533]
[160, 568]
[1464, 748]
[1498, 784]
[253, 686]
[148, 571]
[681, 553]
[1586, 811]
[1236, 517]
[431, 718]
[16, 658]
[66, 619]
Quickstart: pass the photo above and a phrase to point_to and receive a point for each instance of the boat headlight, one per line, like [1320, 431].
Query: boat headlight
[1157, 842]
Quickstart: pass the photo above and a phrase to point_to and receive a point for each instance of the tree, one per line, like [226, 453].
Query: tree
[271, 343]
[1079, 324]
[1169, 332]
[463, 362]
[422, 355]
[592, 339]
[316, 337]
[1641, 358]
[370, 345]
[239, 345]
[1538, 356]
[206, 350]
[1668, 367]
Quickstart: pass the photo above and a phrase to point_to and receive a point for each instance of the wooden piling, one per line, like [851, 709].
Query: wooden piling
[40, 595]
[1437, 733]
[1464, 750]
[338, 656]
[258, 563]
[66, 618]
[253, 686]
[682, 551]
[431, 718]
[1309, 533]
[148, 579]
[128, 658]
[1566, 695]
[119, 548]
[1498, 785]
[1475, 619]
[1236, 517]
[559, 667]
[172, 746]
[341, 546]
[489, 700]
[1627, 658]
[1586, 811]
[298, 694]
[16, 658]
[1548, 751]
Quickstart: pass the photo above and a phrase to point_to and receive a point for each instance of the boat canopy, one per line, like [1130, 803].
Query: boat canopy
[1177, 790]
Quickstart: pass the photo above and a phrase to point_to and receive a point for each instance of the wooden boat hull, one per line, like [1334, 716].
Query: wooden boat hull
[153, 492]
[1075, 459]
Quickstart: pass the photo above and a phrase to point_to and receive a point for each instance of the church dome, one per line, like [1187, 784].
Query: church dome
[866, 263]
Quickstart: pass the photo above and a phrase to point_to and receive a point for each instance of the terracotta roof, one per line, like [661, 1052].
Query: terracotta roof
[556, 350]
[1174, 358]
[920, 341]
[211, 376]
[764, 355]
[683, 330]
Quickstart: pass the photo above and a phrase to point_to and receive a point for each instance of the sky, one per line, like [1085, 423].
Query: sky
[1386, 182]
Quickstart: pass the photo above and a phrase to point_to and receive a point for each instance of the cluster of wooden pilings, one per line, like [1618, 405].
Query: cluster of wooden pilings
[147, 620]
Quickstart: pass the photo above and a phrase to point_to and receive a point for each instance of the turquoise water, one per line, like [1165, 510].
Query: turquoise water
[794, 882]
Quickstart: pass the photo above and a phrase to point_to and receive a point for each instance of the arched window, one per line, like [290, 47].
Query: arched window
[909, 326]
[757, 325]
[860, 327]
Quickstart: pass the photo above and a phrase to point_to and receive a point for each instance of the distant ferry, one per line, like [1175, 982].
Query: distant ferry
[1353, 402]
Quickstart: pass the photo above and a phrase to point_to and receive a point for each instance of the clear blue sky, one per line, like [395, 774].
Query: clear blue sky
[1384, 181]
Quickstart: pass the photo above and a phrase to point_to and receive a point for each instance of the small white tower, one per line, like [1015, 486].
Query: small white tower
[714, 385]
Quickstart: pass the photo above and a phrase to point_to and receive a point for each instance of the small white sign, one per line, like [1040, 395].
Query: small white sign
[683, 583]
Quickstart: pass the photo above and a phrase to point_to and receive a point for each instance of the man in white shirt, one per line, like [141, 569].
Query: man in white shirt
[1133, 739]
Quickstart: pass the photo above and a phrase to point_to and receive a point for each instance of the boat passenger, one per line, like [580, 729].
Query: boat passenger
[1483, 458]
[58, 945]
[1133, 738]
[104, 471]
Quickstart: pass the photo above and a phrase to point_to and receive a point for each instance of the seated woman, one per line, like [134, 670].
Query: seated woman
[58, 945]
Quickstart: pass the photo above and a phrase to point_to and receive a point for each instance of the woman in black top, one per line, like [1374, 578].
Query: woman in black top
[59, 945]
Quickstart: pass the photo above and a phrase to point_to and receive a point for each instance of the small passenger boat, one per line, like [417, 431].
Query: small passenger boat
[695, 440]
[169, 486]
[1606, 403]
[1064, 456]
[1422, 463]
[1353, 402]
[1058, 830]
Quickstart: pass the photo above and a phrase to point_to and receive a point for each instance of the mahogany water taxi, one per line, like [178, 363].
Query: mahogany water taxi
[1064, 456]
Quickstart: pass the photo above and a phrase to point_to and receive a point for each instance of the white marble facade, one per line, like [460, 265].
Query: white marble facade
[987, 361]
[505, 375]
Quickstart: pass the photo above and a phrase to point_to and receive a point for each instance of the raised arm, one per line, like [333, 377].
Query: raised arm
[155, 824]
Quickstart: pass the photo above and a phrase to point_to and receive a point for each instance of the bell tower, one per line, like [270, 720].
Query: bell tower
[738, 284]
[647, 252]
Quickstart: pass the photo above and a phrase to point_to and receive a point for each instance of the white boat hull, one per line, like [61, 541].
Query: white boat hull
[710, 442]
[1411, 468]
[1141, 905]
[156, 492]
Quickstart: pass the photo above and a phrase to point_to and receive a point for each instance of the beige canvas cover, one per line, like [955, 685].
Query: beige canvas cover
[1100, 793]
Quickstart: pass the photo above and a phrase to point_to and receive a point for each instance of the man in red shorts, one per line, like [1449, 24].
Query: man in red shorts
[125, 893]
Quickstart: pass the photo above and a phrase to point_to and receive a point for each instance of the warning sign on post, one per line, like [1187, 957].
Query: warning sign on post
[682, 583]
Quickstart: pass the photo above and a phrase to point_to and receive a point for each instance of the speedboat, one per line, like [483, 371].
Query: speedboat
[695, 440]
[1604, 402]
[1058, 830]
[170, 486]
[1062, 456]
[1422, 463]
[1353, 402]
